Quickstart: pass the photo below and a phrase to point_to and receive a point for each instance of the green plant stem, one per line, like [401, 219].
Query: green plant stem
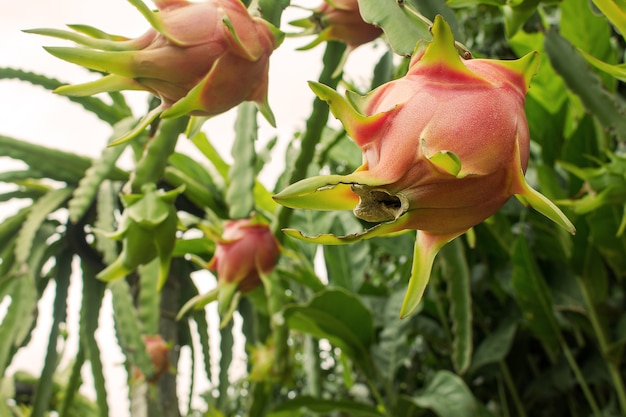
[614, 372]
[314, 128]
[580, 378]
[508, 380]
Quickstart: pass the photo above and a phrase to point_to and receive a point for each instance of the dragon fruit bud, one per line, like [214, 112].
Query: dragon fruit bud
[443, 149]
[246, 250]
[158, 351]
[200, 58]
[338, 20]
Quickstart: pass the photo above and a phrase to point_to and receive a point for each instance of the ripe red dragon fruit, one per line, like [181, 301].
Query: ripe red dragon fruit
[443, 148]
[200, 58]
[339, 20]
[246, 250]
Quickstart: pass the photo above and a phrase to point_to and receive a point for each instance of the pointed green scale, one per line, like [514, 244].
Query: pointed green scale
[329, 192]
[361, 128]
[96, 33]
[141, 125]
[241, 47]
[386, 229]
[527, 66]
[529, 196]
[442, 48]
[106, 84]
[117, 62]
[91, 42]
[447, 161]
[427, 245]
[155, 21]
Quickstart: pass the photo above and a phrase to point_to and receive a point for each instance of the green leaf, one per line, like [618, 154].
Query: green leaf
[52, 163]
[496, 346]
[242, 174]
[456, 273]
[516, 15]
[129, 328]
[110, 114]
[149, 305]
[346, 265]
[299, 405]
[533, 296]
[23, 305]
[338, 316]
[101, 169]
[63, 270]
[400, 23]
[93, 293]
[38, 214]
[570, 65]
[615, 11]
[447, 396]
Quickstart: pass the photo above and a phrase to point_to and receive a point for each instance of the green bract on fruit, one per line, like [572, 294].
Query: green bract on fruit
[444, 148]
[200, 58]
[339, 20]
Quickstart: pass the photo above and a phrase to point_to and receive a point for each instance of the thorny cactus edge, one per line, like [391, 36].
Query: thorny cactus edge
[443, 149]
[199, 58]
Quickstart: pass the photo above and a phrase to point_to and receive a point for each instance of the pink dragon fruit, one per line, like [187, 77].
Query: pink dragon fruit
[339, 20]
[443, 148]
[246, 250]
[200, 58]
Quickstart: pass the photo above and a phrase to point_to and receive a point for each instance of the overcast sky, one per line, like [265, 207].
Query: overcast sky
[34, 114]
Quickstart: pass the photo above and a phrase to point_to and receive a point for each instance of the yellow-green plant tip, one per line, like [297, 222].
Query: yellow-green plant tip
[197, 302]
[442, 47]
[546, 207]
[116, 62]
[267, 112]
[96, 33]
[528, 65]
[319, 193]
[322, 37]
[139, 127]
[447, 161]
[114, 271]
[105, 84]
[91, 42]
[154, 20]
[304, 23]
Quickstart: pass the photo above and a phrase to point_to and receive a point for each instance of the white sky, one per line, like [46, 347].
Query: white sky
[34, 114]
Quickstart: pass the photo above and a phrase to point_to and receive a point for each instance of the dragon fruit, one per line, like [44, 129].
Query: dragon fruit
[444, 148]
[338, 20]
[200, 58]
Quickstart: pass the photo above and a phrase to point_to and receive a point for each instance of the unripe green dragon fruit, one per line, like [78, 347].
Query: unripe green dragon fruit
[443, 149]
[200, 58]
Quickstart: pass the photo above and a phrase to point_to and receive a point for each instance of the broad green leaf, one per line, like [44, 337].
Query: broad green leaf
[38, 214]
[533, 296]
[393, 345]
[403, 27]
[447, 396]
[346, 265]
[579, 78]
[301, 404]
[515, 15]
[615, 11]
[338, 316]
[456, 273]
[240, 196]
[496, 346]
[595, 39]
[546, 87]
